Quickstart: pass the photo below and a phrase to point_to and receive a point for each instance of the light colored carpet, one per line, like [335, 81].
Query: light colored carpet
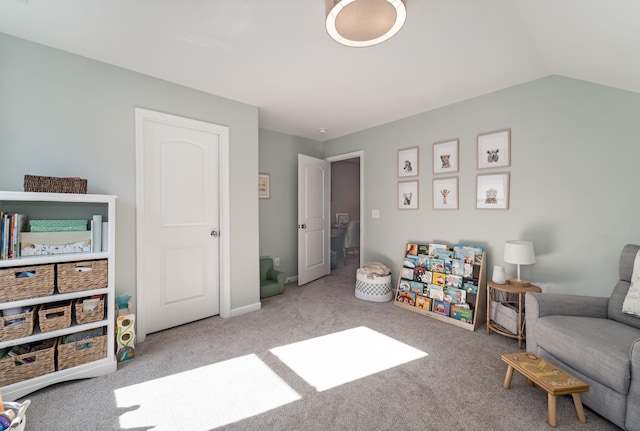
[238, 374]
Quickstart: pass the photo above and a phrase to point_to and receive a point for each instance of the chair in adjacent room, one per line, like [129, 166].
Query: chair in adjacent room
[271, 280]
[352, 239]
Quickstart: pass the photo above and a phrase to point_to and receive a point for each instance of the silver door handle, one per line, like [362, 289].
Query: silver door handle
[302, 226]
[214, 233]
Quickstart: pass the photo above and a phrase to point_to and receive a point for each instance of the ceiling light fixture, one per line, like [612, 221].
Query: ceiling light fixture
[361, 23]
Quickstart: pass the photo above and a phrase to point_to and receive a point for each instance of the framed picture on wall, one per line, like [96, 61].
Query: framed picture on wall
[494, 149]
[408, 162]
[408, 195]
[445, 193]
[492, 191]
[264, 186]
[445, 157]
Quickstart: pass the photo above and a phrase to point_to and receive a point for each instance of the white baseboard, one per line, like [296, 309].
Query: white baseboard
[290, 279]
[246, 309]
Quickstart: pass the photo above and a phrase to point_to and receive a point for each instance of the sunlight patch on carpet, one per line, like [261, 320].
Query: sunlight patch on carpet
[206, 397]
[335, 359]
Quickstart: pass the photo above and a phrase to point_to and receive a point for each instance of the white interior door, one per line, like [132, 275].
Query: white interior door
[178, 220]
[314, 223]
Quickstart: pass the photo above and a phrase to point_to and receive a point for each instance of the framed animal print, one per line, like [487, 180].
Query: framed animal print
[492, 191]
[408, 195]
[445, 157]
[445, 193]
[408, 162]
[264, 186]
[494, 149]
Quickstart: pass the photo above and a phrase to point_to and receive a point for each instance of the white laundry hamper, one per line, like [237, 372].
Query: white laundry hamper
[373, 288]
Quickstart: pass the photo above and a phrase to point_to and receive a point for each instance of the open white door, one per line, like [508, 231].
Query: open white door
[314, 222]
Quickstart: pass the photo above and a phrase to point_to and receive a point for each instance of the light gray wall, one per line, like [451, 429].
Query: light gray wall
[66, 115]
[279, 214]
[574, 155]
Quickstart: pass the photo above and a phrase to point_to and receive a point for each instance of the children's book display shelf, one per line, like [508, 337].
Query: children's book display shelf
[447, 283]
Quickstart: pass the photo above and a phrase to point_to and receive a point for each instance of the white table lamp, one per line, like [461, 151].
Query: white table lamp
[519, 253]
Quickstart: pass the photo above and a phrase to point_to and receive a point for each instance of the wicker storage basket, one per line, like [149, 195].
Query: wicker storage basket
[81, 352]
[54, 316]
[26, 282]
[36, 363]
[78, 276]
[17, 325]
[34, 183]
[94, 315]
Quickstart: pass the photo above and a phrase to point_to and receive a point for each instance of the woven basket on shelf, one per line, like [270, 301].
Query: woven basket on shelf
[29, 365]
[54, 316]
[34, 183]
[16, 285]
[17, 326]
[78, 276]
[95, 315]
[81, 352]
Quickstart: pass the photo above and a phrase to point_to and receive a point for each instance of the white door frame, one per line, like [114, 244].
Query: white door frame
[225, 232]
[352, 155]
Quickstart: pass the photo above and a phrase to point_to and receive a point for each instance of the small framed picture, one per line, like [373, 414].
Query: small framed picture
[492, 191]
[445, 157]
[494, 149]
[408, 195]
[445, 193]
[264, 186]
[408, 162]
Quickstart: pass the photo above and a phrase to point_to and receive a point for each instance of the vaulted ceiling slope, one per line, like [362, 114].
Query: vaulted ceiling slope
[277, 56]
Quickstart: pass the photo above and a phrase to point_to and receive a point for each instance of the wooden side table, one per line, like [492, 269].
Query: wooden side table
[509, 289]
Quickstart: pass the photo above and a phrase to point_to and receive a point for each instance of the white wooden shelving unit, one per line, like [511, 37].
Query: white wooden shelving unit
[64, 206]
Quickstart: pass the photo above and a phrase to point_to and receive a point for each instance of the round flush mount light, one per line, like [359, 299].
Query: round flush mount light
[361, 23]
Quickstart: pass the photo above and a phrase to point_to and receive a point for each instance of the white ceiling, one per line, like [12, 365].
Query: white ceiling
[277, 56]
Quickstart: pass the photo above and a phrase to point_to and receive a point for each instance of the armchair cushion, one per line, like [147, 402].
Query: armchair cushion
[579, 341]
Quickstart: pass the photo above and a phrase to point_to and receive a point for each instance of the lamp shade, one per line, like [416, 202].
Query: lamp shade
[519, 253]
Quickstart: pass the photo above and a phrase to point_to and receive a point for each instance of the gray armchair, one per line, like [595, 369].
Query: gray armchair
[351, 239]
[591, 338]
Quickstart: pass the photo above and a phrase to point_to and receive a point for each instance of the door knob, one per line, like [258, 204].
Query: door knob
[304, 226]
[214, 233]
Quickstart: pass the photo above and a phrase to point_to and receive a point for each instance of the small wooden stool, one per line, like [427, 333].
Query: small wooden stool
[548, 377]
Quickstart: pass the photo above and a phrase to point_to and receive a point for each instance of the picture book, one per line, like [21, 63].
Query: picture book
[470, 286]
[439, 279]
[457, 267]
[410, 261]
[462, 312]
[406, 297]
[477, 251]
[416, 286]
[404, 285]
[425, 276]
[437, 265]
[436, 292]
[423, 249]
[442, 253]
[457, 296]
[441, 307]
[423, 302]
[417, 273]
[407, 273]
[423, 260]
[466, 254]
[454, 281]
[412, 250]
[433, 247]
[468, 270]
